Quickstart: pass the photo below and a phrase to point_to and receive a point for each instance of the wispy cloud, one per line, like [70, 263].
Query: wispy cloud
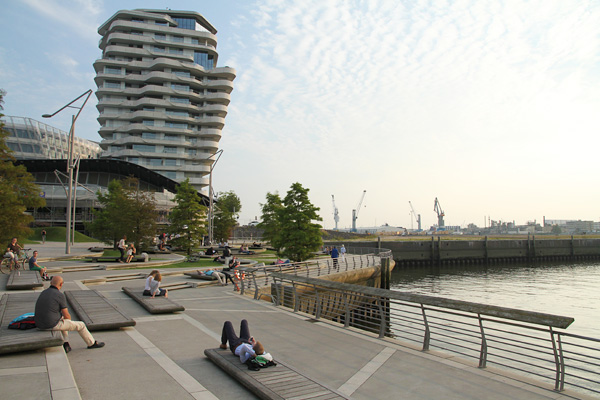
[78, 16]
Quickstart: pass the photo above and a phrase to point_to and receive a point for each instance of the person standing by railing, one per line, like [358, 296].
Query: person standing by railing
[335, 254]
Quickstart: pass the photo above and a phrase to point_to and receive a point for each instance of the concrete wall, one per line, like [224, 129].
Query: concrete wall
[447, 252]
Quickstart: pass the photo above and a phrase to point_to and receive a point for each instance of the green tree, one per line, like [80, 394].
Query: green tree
[227, 209]
[556, 229]
[18, 192]
[270, 223]
[289, 226]
[188, 217]
[126, 210]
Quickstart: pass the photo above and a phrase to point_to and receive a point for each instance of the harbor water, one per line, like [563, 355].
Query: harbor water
[566, 289]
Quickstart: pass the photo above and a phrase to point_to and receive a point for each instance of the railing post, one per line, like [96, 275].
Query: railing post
[483, 352]
[317, 303]
[559, 362]
[296, 298]
[382, 319]
[347, 306]
[427, 336]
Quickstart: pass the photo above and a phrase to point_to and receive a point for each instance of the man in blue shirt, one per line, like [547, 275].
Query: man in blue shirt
[51, 313]
[335, 254]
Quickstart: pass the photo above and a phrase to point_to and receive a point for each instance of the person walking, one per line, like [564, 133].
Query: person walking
[122, 248]
[343, 251]
[43, 236]
[334, 255]
[51, 313]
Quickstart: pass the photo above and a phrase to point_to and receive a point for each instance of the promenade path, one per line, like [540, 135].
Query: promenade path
[162, 356]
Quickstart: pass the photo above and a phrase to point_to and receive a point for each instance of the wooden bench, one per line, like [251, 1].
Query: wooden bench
[139, 258]
[20, 280]
[196, 275]
[279, 382]
[156, 305]
[15, 340]
[96, 311]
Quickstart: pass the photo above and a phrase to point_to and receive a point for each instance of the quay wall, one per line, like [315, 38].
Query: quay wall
[438, 252]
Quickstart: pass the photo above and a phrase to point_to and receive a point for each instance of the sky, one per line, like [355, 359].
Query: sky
[493, 107]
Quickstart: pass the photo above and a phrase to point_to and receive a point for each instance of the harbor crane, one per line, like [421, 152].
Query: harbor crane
[416, 216]
[336, 214]
[440, 213]
[356, 211]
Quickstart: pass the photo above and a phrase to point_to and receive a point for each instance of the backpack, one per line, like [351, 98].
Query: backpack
[25, 321]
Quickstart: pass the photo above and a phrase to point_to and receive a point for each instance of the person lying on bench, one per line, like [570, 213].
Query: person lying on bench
[51, 313]
[152, 285]
[244, 346]
[222, 278]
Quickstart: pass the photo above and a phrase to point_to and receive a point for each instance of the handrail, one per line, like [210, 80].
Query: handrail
[530, 343]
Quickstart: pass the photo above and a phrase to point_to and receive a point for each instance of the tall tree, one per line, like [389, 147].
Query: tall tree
[299, 234]
[227, 209]
[289, 226]
[270, 223]
[18, 192]
[126, 210]
[188, 217]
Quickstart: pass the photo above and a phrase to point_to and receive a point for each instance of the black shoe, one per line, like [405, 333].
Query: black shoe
[67, 347]
[96, 345]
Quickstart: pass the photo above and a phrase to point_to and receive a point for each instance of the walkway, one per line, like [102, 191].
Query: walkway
[163, 355]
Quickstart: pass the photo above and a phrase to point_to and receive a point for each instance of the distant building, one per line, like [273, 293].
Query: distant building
[162, 100]
[33, 139]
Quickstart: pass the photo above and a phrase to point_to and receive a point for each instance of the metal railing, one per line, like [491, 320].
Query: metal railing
[258, 277]
[529, 343]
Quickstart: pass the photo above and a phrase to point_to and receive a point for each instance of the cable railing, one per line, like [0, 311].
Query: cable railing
[529, 343]
[257, 278]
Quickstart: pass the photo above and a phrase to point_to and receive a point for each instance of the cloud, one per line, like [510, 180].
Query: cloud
[78, 16]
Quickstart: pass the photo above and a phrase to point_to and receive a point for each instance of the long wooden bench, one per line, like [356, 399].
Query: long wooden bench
[196, 275]
[272, 383]
[139, 258]
[156, 305]
[22, 280]
[15, 340]
[96, 311]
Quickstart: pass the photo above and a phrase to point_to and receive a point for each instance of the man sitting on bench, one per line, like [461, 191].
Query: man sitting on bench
[51, 313]
[244, 346]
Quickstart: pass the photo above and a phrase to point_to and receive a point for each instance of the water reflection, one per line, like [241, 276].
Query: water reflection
[571, 289]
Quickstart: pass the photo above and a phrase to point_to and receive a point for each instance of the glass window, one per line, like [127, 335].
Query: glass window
[135, 160]
[173, 50]
[171, 137]
[148, 135]
[178, 39]
[155, 162]
[204, 59]
[180, 100]
[27, 148]
[185, 23]
[144, 148]
[160, 23]
[148, 108]
[112, 70]
[159, 49]
[160, 36]
[112, 84]
[177, 125]
[176, 86]
[168, 149]
[13, 146]
[149, 122]
[169, 162]
[137, 33]
[22, 133]
[184, 74]
[169, 174]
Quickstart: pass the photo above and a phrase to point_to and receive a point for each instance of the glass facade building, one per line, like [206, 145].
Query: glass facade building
[33, 139]
[161, 97]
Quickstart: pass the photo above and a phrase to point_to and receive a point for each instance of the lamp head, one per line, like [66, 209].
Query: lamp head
[46, 115]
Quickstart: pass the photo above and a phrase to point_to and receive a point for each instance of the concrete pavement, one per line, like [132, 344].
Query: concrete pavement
[162, 356]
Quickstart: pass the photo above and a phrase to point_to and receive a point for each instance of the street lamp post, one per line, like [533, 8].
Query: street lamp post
[210, 197]
[70, 161]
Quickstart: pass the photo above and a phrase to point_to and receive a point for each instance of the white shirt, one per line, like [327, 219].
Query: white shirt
[148, 282]
[121, 244]
[245, 351]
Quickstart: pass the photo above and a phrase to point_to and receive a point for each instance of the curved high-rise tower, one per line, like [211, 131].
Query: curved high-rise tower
[162, 100]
